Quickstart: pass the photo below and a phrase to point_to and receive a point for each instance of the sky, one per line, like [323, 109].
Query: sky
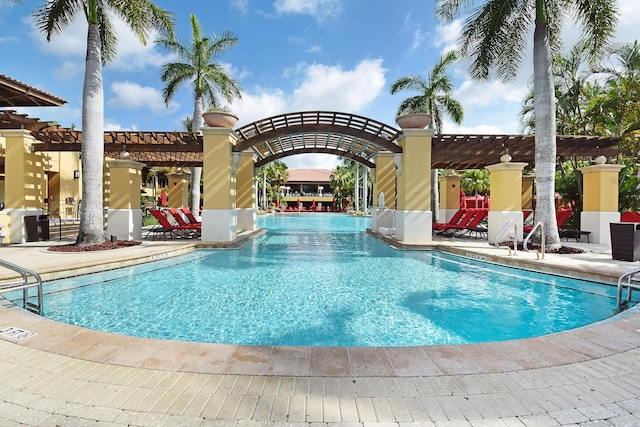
[292, 55]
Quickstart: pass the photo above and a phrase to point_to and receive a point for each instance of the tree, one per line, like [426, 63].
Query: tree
[494, 38]
[434, 97]
[142, 17]
[341, 182]
[277, 174]
[208, 80]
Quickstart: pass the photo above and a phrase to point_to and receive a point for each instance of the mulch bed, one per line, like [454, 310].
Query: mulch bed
[99, 247]
[563, 250]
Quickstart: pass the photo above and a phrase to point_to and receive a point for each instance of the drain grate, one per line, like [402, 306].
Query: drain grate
[16, 334]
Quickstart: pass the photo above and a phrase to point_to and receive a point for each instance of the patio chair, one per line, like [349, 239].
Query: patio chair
[455, 219]
[187, 213]
[562, 215]
[184, 231]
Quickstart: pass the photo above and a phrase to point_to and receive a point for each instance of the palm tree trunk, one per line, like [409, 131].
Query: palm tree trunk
[545, 137]
[91, 209]
[196, 172]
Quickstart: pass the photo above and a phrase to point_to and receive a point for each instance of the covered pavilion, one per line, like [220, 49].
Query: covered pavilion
[401, 158]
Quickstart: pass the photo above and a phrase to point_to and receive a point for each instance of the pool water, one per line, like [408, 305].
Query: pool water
[319, 280]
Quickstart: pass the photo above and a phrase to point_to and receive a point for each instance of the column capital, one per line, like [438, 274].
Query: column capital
[507, 166]
[129, 164]
[601, 168]
[220, 131]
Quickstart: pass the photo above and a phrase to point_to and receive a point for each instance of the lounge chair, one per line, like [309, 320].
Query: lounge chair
[562, 215]
[187, 213]
[473, 225]
[455, 219]
[173, 230]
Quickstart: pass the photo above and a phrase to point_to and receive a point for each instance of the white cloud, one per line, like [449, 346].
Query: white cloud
[314, 49]
[418, 38]
[9, 39]
[241, 5]
[312, 161]
[67, 70]
[132, 96]
[132, 55]
[332, 88]
[473, 94]
[320, 9]
[447, 36]
[260, 104]
[481, 129]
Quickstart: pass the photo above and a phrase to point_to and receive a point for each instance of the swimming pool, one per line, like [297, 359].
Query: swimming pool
[319, 280]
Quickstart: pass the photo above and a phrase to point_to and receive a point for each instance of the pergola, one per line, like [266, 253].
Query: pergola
[14, 93]
[346, 135]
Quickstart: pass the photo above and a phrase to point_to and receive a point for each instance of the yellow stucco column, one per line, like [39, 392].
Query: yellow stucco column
[384, 183]
[505, 180]
[414, 216]
[246, 192]
[178, 195]
[527, 192]
[449, 189]
[124, 217]
[25, 185]
[219, 216]
[600, 203]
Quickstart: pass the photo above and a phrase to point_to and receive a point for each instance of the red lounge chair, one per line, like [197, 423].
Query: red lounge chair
[454, 220]
[562, 215]
[192, 219]
[166, 227]
[630, 217]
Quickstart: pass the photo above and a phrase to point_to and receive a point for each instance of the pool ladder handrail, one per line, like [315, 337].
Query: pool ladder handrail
[632, 283]
[23, 284]
[393, 215]
[515, 237]
[539, 254]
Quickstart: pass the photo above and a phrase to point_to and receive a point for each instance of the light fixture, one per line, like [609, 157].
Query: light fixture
[125, 155]
[31, 149]
[235, 161]
[76, 174]
[397, 161]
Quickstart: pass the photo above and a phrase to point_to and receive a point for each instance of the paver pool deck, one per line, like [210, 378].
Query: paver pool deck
[66, 375]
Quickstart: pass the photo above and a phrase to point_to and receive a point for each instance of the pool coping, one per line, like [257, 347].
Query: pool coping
[591, 342]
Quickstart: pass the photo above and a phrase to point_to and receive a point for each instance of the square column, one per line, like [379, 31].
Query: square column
[384, 183]
[124, 218]
[246, 192]
[449, 189]
[414, 217]
[25, 185]
[505, 180]
[600, 203]
[178, 195]
[219, 215]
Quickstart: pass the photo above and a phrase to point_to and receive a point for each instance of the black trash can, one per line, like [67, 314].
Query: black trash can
[31, 226]
[43, 227]
[625, 240]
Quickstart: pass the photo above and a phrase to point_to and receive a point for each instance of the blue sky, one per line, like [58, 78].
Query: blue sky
[293, 55]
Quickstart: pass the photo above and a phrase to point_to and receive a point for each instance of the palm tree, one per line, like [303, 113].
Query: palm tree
[434, 98]
[341, 182]
[53, 17]
[207, 78]
[494, 38]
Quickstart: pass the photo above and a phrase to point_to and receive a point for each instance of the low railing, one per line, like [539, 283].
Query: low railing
[539, 225]
[515, 237]
[631, 284]
[24, 285]
[46, 211]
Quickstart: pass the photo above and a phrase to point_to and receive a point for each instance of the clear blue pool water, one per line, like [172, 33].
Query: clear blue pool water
[319, 280]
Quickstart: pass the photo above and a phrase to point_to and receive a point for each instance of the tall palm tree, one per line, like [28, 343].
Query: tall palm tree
[52, 18]
[434, 97]
[208, 79]
[494, 38]
[434, 93]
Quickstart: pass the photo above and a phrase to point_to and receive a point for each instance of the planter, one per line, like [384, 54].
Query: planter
[220, 119]
[414, 121]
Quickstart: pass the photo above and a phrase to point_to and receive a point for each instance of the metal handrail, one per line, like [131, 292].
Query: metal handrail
[515, 238]
[24, 285]
[47, 211]
[540, 225]
[630, 286]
